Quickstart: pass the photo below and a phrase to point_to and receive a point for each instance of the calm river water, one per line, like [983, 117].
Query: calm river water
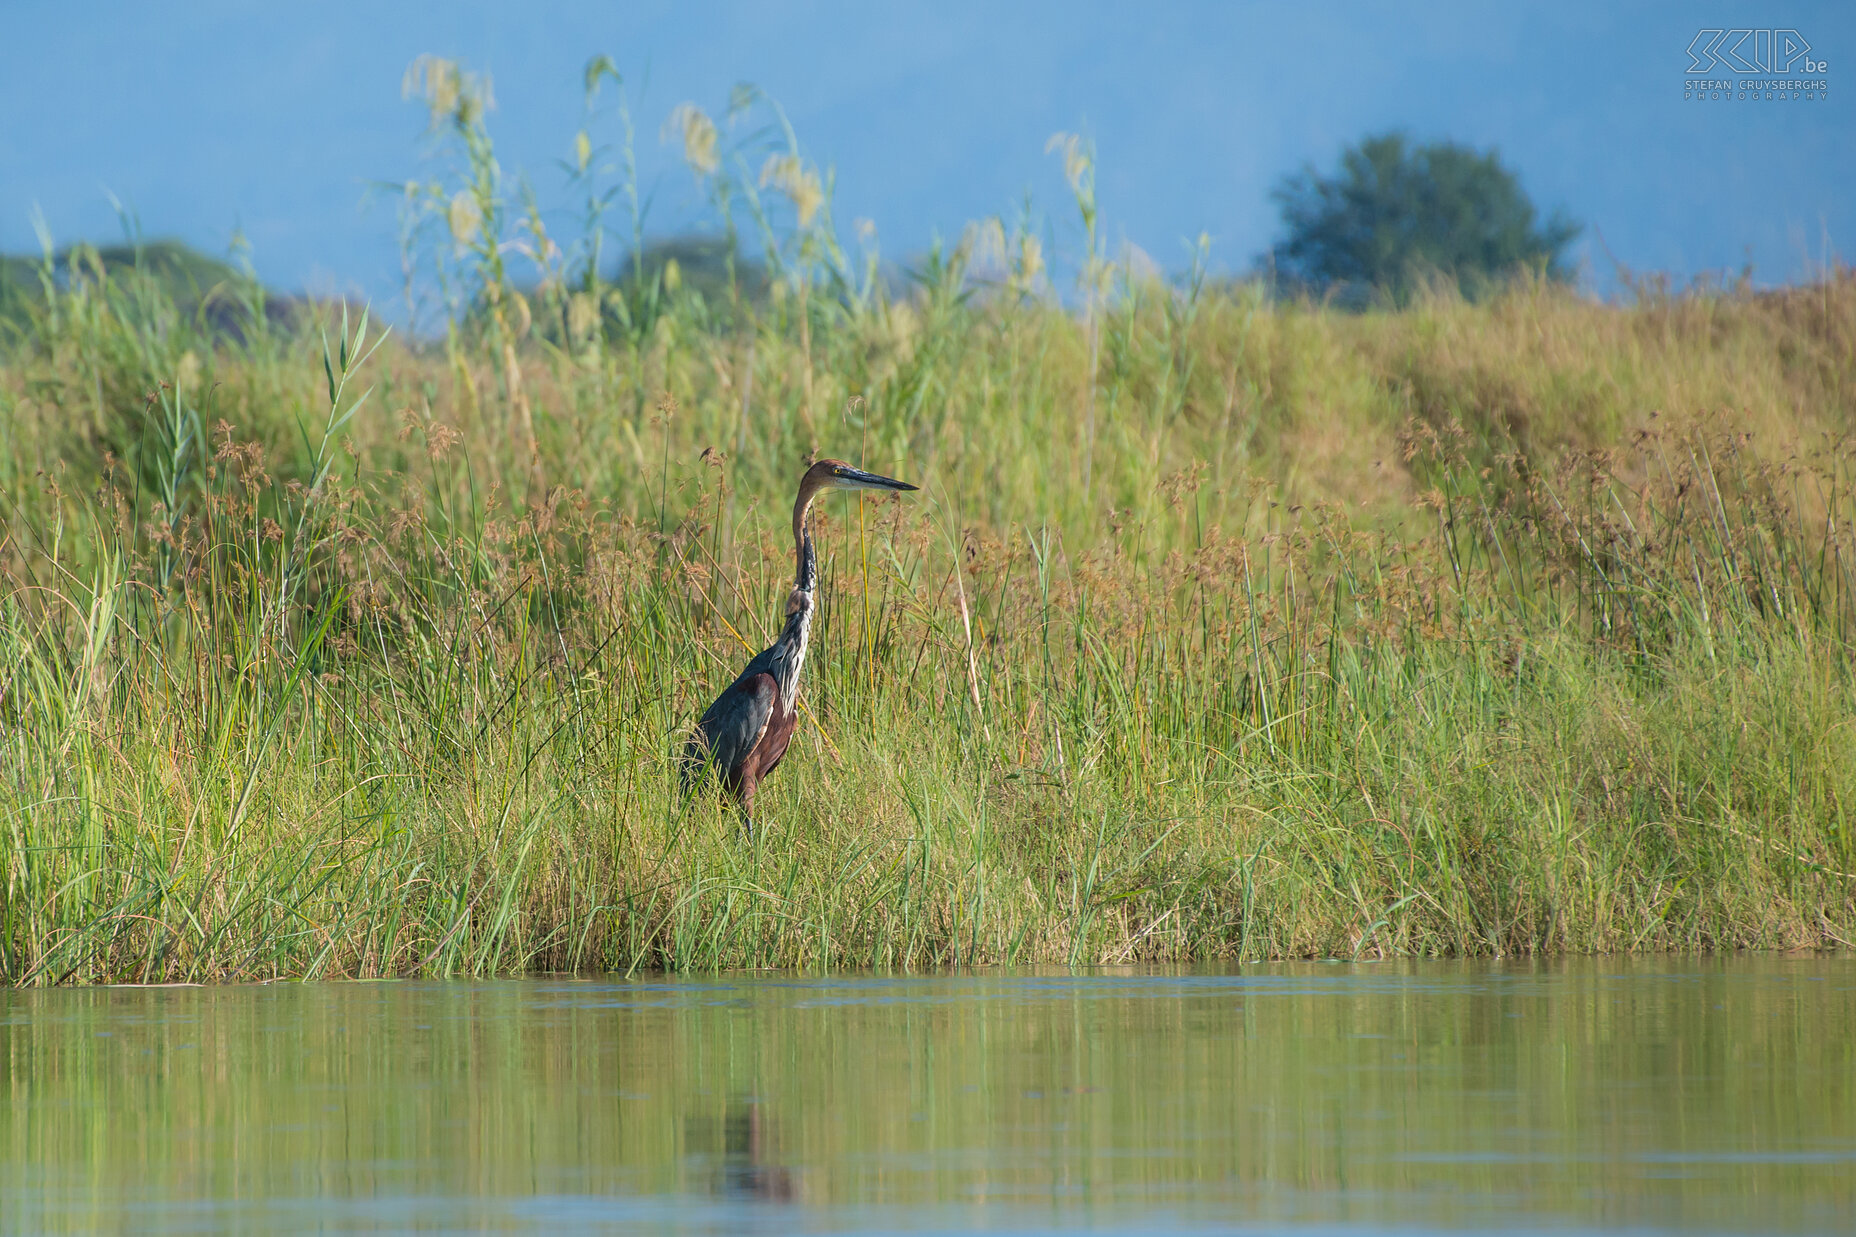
[1650, 1094]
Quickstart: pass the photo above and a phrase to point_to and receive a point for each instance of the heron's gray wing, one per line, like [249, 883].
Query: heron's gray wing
[732, 726]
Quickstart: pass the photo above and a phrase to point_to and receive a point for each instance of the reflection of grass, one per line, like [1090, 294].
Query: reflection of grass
[1515, 627]
[1571, 1092]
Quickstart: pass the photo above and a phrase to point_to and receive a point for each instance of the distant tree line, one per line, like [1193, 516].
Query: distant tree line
[1391, 218]
[218, 295]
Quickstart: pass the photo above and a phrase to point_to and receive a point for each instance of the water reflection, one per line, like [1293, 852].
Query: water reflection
[742, 1149]
[1665, 1094]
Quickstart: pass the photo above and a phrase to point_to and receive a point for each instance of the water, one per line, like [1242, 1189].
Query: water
[1706, 1095]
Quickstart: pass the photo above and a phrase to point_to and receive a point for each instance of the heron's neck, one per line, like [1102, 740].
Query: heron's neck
[789, 650]
[805, 559]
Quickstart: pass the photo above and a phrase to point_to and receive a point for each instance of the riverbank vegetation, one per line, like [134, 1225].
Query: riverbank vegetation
[1224, 626]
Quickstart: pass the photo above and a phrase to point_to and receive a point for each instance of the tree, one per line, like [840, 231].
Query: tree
[1395, 213]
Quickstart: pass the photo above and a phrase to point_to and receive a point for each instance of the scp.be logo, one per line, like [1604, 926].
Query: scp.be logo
[1752, 51]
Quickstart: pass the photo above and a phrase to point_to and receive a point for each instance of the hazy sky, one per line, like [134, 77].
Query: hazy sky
[210, 115]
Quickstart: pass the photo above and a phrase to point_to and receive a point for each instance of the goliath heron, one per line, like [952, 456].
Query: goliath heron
[745, 732]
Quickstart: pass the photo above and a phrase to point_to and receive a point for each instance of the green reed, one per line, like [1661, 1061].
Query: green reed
[1222, 627]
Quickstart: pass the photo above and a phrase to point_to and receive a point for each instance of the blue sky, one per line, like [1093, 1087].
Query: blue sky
[211, 115]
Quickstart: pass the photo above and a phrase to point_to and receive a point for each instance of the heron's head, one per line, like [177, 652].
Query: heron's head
[838, 475]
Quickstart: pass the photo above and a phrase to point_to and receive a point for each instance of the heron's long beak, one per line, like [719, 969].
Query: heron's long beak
[848, 478]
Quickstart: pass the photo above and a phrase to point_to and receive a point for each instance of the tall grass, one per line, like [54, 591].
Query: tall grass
[1223, 627]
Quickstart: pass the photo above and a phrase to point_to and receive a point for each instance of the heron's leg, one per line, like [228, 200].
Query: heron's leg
[746, 798]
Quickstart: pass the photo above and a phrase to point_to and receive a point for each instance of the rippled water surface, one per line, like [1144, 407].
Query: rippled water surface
[1661, 1094]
